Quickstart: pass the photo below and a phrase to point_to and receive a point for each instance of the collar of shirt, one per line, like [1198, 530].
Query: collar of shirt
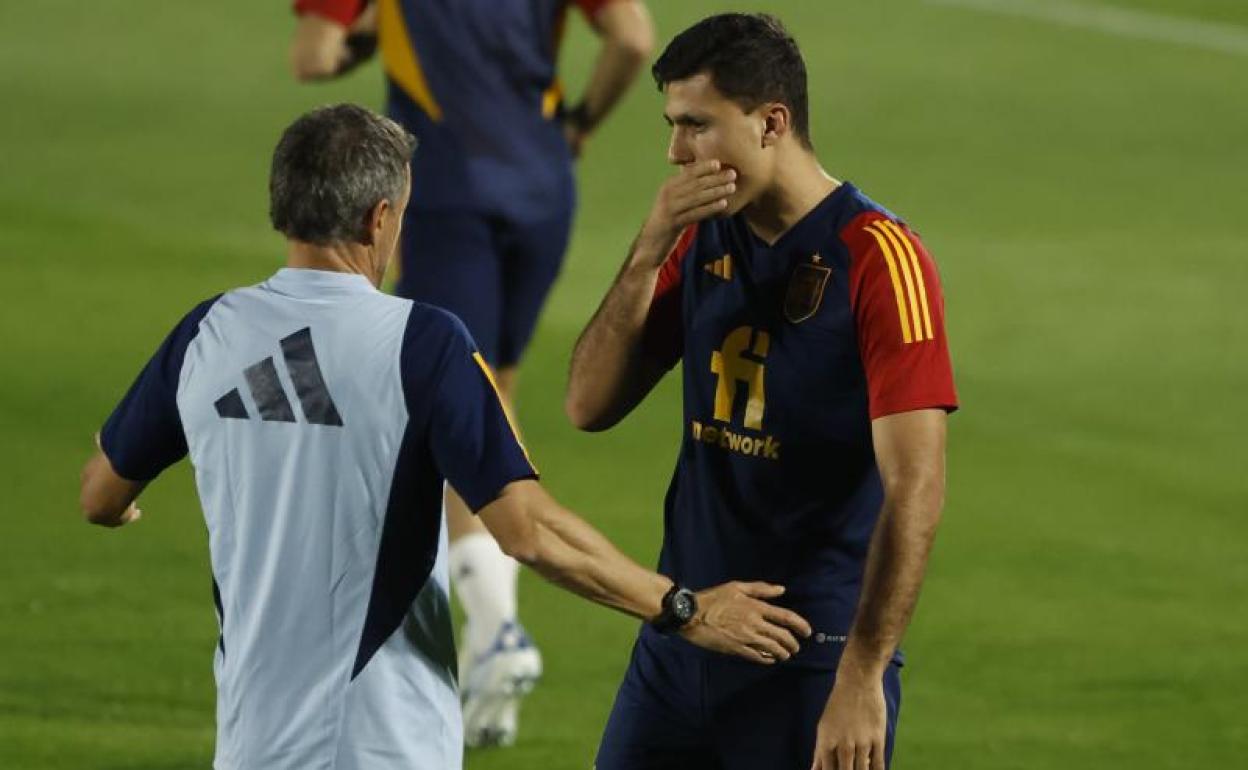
[302, 282]
[806, 235]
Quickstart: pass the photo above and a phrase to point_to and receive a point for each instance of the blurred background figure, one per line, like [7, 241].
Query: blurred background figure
[493, 194]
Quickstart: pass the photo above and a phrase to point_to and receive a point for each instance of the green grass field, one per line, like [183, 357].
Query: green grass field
[1083, 191]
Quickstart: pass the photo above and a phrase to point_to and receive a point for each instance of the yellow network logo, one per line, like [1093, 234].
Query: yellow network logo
[734, 368]
[740, 363]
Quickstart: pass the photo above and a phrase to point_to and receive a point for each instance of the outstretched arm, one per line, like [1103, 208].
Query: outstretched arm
[733, 618]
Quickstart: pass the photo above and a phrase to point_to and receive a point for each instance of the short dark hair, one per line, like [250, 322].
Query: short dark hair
[750, 57]
[331, 167]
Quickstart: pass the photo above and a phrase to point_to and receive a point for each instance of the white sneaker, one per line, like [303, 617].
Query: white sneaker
[493, 684]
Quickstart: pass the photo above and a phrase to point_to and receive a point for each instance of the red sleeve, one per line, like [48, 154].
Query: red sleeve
[900, 313]
[345, 12]
[591, 7]
[663, 339]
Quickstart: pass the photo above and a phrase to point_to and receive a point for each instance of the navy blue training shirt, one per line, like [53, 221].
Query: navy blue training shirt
[789, 351]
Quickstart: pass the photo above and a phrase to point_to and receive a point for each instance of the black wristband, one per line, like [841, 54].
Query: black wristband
[362, 46]
[578, 118]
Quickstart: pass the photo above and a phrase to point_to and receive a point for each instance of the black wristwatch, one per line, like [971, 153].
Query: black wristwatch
[679, 606]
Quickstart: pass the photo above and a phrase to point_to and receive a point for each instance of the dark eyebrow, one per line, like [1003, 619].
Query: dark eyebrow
[683, 119]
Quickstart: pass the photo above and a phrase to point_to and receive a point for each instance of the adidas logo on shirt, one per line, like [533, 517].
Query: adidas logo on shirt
[270, 396]
[720, 268]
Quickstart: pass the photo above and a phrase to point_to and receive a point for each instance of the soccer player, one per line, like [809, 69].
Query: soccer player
[817, 380]
[322, 418]
[485, 234]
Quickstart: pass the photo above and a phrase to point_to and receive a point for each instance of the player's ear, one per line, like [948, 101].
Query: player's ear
[375, 221]
[776, 125]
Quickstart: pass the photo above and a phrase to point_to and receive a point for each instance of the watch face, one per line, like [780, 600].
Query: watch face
[683, 606]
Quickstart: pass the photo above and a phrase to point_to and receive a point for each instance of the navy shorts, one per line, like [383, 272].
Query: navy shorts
[680, 708]
[492, 273]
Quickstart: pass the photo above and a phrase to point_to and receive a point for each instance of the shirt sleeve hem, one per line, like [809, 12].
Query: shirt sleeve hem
[119, 467]
[495, 488]
[900, 407]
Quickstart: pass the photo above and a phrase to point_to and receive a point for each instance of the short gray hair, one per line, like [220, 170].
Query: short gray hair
[331, 167]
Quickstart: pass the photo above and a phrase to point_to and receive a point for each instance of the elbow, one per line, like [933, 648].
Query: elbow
[309, 69]
[98, 506]
[577, 412]
[522, 546]
[95, 510]
[518, 536]
[635, 46]
[585, 416]
[92, 507]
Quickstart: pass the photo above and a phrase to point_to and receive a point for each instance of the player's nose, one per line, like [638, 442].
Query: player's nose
[678, 151]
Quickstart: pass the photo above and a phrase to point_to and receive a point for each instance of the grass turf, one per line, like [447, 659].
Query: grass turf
[1083, 194]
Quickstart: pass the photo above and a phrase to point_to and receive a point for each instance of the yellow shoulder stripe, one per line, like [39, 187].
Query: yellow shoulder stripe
[918, 275]
[398, 56]
[511, 423]
[898, 292]
[909, 286]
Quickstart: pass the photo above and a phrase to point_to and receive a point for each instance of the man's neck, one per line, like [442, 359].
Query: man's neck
[798, 189]
[336, 257]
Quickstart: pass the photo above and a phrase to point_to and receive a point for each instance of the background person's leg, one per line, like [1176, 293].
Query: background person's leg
[452, 260]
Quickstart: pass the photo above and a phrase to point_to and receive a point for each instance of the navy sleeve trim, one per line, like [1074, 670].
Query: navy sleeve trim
[472, 438]
[144, 435]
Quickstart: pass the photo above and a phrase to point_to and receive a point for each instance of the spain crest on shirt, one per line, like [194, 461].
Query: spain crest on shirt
[805, 292]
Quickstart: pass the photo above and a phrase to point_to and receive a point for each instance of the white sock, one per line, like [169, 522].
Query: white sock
[485, 581]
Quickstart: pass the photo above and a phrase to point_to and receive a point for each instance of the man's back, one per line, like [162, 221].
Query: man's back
[475, 80]
[317, 413]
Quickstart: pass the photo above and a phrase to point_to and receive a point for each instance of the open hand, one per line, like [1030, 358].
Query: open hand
[736, 619]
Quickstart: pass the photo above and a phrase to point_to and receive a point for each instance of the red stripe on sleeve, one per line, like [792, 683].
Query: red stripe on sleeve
[345, 12]
[900, 314]
[663, 339]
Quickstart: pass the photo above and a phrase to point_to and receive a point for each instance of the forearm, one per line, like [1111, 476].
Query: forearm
[572, 554]
[628, 38]
[607, 358]
[614, 71]
[104, 496]
[896, 563]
